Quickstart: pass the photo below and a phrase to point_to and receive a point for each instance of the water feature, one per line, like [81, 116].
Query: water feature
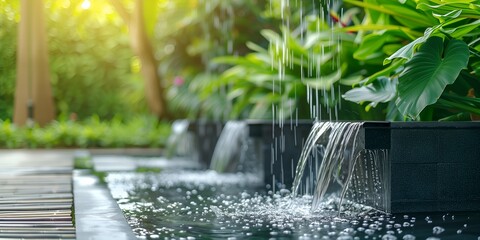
[205, 204]
[186, 204]
[180, 142]
[231, 149]
[355, 174]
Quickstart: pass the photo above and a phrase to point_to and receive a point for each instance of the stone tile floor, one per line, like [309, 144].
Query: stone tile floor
[36, 196]
[38, 191]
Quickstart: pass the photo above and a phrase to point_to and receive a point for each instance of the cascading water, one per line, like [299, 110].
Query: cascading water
[357, 176]
[232, 148]
[180, 142]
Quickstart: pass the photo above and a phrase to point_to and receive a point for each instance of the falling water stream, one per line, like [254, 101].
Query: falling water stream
[231, 147]
[347, 169]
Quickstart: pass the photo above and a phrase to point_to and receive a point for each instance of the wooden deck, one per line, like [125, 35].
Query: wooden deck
[36, 195]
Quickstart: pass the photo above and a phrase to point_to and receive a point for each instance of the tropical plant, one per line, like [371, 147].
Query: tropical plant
[301, 74]
[429, 53]
[203, 30]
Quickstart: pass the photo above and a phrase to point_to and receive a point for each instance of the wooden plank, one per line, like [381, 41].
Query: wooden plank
[36, 196]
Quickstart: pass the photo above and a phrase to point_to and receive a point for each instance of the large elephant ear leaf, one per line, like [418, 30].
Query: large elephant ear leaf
[381, 90]
[427, 74]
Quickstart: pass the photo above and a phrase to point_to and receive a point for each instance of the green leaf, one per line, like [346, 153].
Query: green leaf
[324, 82]
[351, 80]
[381, 90]
[444, 8]
[257, 48]
[399, 12]
[371, 46]
[407, 51]
[465, 29]
[410, 17]
[427, 74]
[385, 72]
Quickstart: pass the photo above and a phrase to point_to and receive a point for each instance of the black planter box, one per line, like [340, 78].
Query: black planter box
[206, 134]
[434, 166]
[279, 149]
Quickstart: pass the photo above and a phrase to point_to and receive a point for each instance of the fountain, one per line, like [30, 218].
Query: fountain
[351, 168]
[233, 152]
[424, 169]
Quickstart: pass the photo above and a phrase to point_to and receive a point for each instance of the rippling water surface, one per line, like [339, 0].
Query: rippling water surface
[208, 205]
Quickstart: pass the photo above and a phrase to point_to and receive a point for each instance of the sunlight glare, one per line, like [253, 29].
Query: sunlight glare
[86, 4]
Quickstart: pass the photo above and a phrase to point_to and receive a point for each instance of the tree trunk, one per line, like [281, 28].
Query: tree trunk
[33, 93]
[142, 47]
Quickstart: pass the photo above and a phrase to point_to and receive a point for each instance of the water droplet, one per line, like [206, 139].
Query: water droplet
[408, 237]
[369, 231]
[437, 230]
[459, 231]
[389, 237]
[349, 231]
[344, 238]
[406, 224]
[373, 226]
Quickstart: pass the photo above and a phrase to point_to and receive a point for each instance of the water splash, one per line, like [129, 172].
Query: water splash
[356, 175]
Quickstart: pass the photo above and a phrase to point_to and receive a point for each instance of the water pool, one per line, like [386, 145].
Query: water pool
[196, 204]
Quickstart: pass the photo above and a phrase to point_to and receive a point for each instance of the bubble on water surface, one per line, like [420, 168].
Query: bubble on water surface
[438, 230]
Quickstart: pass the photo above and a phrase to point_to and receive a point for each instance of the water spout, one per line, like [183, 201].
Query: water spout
[355, 174]
[231, 147]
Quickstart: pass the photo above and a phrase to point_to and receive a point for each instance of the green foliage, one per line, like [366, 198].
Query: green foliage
[8, 36]
[204, 29]
[148, 170]
[435, 70]
[91, 133]
[84, 162]
[381, 90]
[91, 61]
[300, 68]
[427, 74]
[92, 67]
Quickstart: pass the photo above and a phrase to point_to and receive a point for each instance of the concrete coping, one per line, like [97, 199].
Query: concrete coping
[97, 214]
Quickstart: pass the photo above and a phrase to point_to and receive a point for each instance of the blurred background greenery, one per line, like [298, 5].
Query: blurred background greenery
[239, 59]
